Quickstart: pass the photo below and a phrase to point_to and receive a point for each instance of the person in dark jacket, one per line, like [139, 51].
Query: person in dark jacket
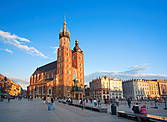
[129, 102]
[136, 108]
[52, 100]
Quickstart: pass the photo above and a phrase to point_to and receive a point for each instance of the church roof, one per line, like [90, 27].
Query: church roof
[46, 68]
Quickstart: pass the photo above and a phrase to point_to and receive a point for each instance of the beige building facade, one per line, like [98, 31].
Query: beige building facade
[162, 86]
[106, 88]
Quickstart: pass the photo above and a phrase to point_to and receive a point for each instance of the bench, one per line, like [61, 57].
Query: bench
[141, 117]
[101, 110]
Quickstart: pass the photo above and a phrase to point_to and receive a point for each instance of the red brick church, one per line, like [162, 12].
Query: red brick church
[63, 78]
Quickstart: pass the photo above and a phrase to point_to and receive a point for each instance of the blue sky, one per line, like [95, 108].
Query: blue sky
[115, 35]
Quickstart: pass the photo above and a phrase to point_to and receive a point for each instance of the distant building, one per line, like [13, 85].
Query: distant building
[62, 78]
[87, 91]
[106, 88]
[162, 86]
[143, 89]
[154, 90]
[8, 86]
[136, 89]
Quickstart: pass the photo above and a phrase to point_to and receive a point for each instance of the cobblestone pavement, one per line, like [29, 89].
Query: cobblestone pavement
[36, 111]
[123, 106]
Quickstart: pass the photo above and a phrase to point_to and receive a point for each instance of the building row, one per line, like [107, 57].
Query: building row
[144, 89]
[108, 88]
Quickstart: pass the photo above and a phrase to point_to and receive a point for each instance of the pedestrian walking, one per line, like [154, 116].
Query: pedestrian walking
[117, 102]
[129, 102]
[31, 98]
[83, 103]
[52, 100]
[86, 100]
[95, 102]
[52, 103]
[90, 100]
[70, 101]
[98, 102]
[80, 101]
[49, 102]
[113, 109]
[44, 99]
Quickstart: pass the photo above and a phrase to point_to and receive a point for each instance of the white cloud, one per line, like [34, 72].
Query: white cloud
[8, 51]
[151, 75]
[6, 73]
[12, 36]
[135, 72]
[15, 40]
[137, 69]
[18, 79]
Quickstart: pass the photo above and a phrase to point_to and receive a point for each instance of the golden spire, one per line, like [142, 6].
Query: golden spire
[65, 23]
[64, 32]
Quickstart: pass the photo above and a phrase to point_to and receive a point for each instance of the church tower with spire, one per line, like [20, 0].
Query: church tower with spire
[70, 67]
[63, 78]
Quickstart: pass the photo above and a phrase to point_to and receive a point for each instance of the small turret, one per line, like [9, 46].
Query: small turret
[76, 48]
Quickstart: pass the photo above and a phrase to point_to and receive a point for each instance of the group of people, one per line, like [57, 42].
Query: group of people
[69, 101]
[96, 102]
[30, 98]
[82, 102]
[139, 110]
[136, 108]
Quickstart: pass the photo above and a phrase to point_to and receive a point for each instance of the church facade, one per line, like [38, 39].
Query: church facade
[63, 78]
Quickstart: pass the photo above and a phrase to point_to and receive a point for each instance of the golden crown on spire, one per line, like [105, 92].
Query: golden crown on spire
[65, 32]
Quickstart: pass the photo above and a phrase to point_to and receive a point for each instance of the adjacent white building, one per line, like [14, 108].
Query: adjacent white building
[136, 89]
